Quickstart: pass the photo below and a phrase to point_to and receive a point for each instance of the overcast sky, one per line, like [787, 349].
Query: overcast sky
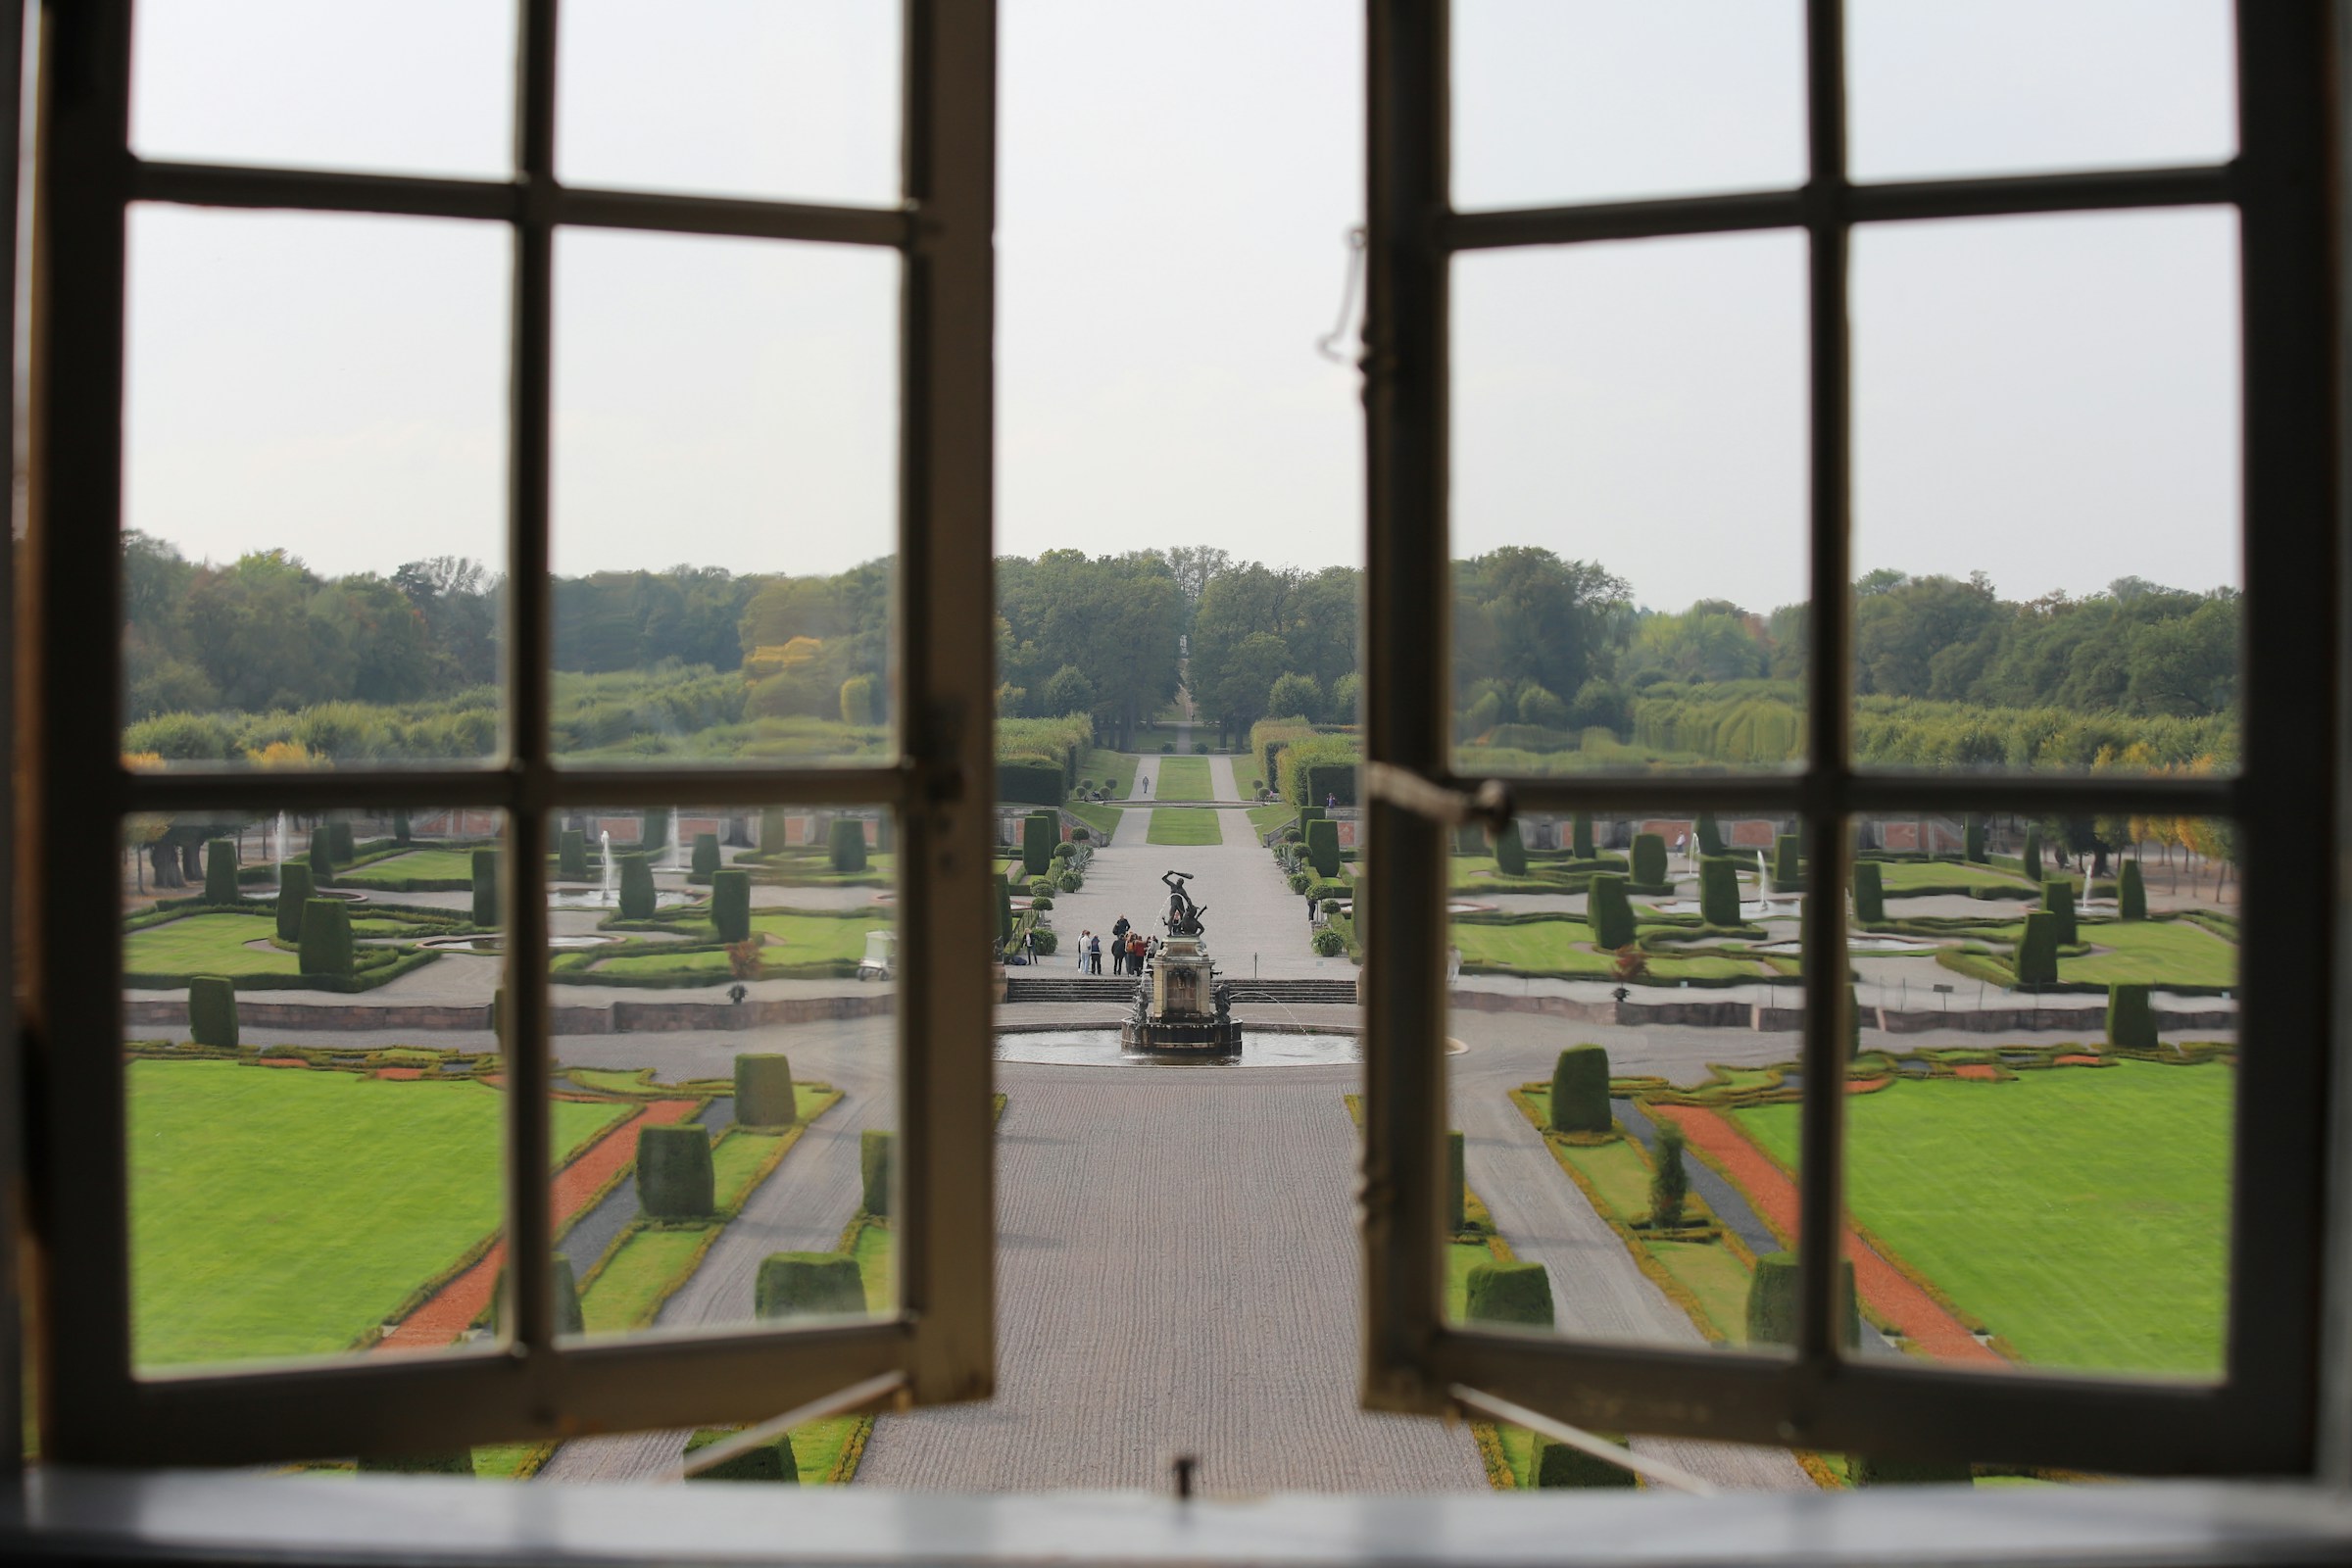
[2050, 400]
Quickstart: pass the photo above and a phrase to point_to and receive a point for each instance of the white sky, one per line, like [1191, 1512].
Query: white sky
[2050, 400]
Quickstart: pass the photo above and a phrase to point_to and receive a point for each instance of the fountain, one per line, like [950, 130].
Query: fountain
[678, 850]
[604, 894]
[1180, 1007]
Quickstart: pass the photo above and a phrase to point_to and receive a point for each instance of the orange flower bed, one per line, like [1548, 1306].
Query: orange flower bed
[400, 1074]
[1980, 1071]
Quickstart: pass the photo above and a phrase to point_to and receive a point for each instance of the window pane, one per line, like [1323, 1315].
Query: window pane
[396, 86]
[1629, 506]
[2031, 86]
[733, 97]
[726, 500]
[315, 464]
[1558, 101]
[727, 974]
[2046, 493]
[316, 1108]
[2040, 1122]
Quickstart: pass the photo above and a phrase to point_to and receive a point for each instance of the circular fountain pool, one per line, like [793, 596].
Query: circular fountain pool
[1263, 1046]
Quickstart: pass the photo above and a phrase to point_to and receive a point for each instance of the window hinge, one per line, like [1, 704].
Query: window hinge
[1490, 803]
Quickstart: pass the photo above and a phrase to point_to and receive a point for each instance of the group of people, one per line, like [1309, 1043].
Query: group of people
[1129, 950]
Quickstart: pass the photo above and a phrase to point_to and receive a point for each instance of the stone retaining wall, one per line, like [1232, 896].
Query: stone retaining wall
[621, 1017]
[1773, 1018]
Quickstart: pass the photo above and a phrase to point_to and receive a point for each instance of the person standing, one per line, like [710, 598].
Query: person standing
[1094, 951]
[1118, 946]
[1082, 939]
[1135, 953]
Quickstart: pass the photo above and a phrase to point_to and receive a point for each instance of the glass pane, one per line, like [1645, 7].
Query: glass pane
[1558, 101]
[2033, 86]
[396, 86]
[725, 978]
[725, 499]
[1619, 605]
[303, 1041]
[315, 467]
[734, 98]
[2046, 493]
[2039, 1133]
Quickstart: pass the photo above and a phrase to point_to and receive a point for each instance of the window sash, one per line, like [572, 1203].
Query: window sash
[2261, 1417]
[95, 1408]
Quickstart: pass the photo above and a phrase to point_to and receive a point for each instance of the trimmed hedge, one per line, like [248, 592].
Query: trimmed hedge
[1787, 863]
[1065, 850]
[674, 1179]
[2130, 1021]
[637, 900]
[809, 1285]
[400, 829]
[1068, 882]
[1709, 834]
[2131, 893]
[1650, 860]
[213, 1010]
[1510, 850]
[1004, 909]
[486, 909]
[326, 938]
[1580, 840]
[2036, 962]
[1456, 1185]
[1039, 830]
[1557, 1466]
[772, 1460]
[1772, 1302]
[294, 889]
[731, 905]
[220, 872]
[322, 859]
[1509, 1293]
[1608, 912]
[1580, 1090]
[1972, 839]
[338, 834]
[571, 854]
[1323, 846]
[873, 1171]
[2031, 859]
[562, 1286]
[1718, 890]
[845, 842]
[452, 1462]
[1324, 780]
[2058, 896]
[763, 1096]
[1030, 783]
[705, 862]
[1870, 893]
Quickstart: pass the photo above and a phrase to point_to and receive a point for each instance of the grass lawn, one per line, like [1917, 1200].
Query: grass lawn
[814, 870]
[1103, 819]
[2153, 953]
[650, 1265]
[2082, 1214]
[438, 864]
[1185, 825]
[736, 1159]
[805, 938]
[1904, 876]
[1563, 947]
[1113, 772]
[208, 943]
[1266, 818]
[280, 1211]
[1181, 778]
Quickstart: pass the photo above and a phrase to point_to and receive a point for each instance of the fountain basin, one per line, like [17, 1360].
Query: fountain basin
[1264, 1046]
[1749, 909]
[598, 899]
[1790, 950]
[498, 944]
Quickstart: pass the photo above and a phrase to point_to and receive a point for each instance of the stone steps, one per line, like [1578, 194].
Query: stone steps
[1110, 990]
[1294, 992]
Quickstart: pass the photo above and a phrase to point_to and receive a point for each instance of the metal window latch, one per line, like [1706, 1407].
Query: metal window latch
[1489, 804]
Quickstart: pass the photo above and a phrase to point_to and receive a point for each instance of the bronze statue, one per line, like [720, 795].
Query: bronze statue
[1183, 919]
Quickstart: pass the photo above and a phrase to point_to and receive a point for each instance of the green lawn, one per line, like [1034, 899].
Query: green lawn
[1113, 772]
[2153, 953]
[416, 864]
[1564, 947]
[1181, 778]
[805, 938]
[1103, 819]
[281, 1211]
[2082, 1214]
[1185, 825]
[206, 943]
[811, 868]
[1266, 818]
[640, 1276]
[1903, 876]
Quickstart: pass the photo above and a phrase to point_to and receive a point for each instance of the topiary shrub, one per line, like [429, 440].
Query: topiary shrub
[1323, 846]
[772, 1460]
[1650, 860]
[1870, 893]
[326, 939]
[1167, 748]
[1039, 831]
[1300, 881]
[705, 864]
[220, 872]
[338, 834]
[1864, 1471]
[1004, 909]
[763, 1093]
[294, 889]
[564, 1291]
[873, 1171]
[1292, 835]
[1041, 903]
[847, 844]
[1080, 835]
[1608, 912]
[1457, 1187]
[1510, 850]
[1199, 748]
[213, 1010]
[1042, 888]
[2131, 893]
[2032, 858]
[322, 859]
[1557, 1466]
[809, 1285]
[1787, 863]
[1328, 944]
[637, 901]
[1708, 833]
[2038, 951]
[452, 1462]
[400, 828]
[731, 905]
[1069, 882]
[1580, 1090]
[486, 909]
[2130, 1021]
[1772, 1302]
[1669, 1177]
[1718, 891]
[571, 854]
[1971, 838]
[673, 1172]
[1580, 835]
[1048, 944]
[774, 828]
[1508, 1292]
[2058, 896]
[1065, 852]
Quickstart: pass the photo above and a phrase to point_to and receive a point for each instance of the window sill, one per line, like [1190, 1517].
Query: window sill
[163, 1515]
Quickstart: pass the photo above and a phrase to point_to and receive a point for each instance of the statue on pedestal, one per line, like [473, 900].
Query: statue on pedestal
[1183, 919]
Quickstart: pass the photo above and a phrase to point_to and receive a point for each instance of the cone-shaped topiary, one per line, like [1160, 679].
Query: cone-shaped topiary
[2033, 855]
[673, 1172]
[1581, 839]
[293, 891]
[807, 1285]
[848, 844]
[1650, 860]
[772, 1460]
[2058, 896]
[2038, 951]
[486, 909]
[1971, 838]
[637, 901]
[1323, 846]
[213, 1010]
[1557, 1465]
[1039, 830]
[2131, 893]
[1772, 1302]
[1870, 893]
[1787, 863]
[763, 1095]
[322, 859]
[704, 864]
[564, 1291]
[220, 872]
[1864, 1471]
[1580, 1090]
[571, 854]
[1456, 1189]
[326, 937]
[873, 1171]
[1510, 850]
[731, 905]
[1608, 912]
[1718, 891]
[1709, 834]
[2130, 1021]
[452, 1462]
[1508, 1292]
